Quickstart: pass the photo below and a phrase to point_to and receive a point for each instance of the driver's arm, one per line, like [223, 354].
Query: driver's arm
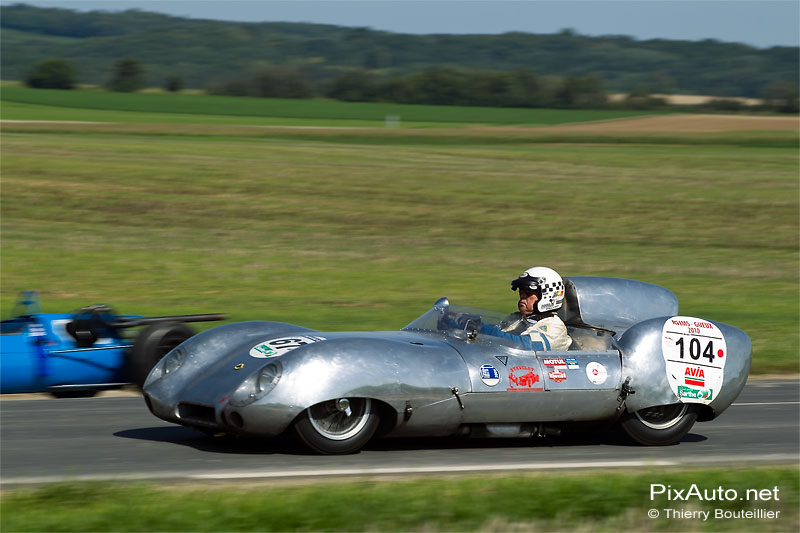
[525, 340]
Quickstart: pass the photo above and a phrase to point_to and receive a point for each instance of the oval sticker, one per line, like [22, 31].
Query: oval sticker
[489, 375]
[276, 347]
[596, 373]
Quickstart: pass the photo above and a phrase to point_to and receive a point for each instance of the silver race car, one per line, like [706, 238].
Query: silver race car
[633, 362]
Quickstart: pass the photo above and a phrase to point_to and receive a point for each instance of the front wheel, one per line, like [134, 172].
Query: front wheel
[339, 426]
[660, 425]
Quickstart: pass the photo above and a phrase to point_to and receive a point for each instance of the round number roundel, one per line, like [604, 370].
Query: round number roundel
[276, 347]
[694, 353]
[596, 373]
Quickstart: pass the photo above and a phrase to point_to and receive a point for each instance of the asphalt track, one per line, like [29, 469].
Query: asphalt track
[49, 440]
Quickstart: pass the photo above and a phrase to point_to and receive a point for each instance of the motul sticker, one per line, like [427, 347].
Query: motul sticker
[276, 347]
[554, 362]
[694, 352]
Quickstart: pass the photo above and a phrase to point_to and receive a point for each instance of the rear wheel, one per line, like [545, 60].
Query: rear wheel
[153, 343]
[339, 426]
[660, 425]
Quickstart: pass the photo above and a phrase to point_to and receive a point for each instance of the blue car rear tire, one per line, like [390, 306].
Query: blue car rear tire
[153, 343]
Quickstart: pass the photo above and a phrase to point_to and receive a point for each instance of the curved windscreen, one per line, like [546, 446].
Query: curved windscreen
[464, 323]
[454, 317]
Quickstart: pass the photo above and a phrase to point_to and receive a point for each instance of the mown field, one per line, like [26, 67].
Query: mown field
[363, 228]
[20, 102]
[600, 501]
[339, 227]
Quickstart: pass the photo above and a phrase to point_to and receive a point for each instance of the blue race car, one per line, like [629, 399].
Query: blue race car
[78, 354]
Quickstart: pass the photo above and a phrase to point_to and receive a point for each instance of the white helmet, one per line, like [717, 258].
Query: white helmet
[547, 283]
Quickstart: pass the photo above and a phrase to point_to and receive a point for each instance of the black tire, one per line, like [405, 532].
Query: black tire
[328, 428]
[661, 425]
[153, 343]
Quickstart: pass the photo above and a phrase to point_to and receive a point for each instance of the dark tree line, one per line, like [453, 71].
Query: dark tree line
[448, 86]
[127, 76]
[435, 86]
[52, 74]
[264, 59]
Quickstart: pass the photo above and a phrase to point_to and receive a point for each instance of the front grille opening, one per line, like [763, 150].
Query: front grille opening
[197, 414]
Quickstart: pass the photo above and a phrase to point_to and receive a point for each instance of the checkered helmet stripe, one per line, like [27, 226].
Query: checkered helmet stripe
[553, 287]
[550, 284]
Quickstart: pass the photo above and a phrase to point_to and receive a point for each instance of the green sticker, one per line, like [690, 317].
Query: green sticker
[695, 394]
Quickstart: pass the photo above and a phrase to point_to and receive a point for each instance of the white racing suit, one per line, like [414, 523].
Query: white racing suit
[547, 333]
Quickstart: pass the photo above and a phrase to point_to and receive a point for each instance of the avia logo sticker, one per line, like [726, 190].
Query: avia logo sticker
[276, 347]
[694, 376]
[523, 378]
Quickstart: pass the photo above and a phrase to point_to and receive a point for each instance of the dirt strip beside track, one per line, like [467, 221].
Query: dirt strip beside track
[652, 124]
[689, 123]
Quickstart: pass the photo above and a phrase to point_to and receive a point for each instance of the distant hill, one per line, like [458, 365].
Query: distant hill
[205, 52]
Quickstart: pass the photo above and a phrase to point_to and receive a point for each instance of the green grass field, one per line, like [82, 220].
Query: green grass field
[363, 228]
[354, 228]
[523, 502]
[20, 102]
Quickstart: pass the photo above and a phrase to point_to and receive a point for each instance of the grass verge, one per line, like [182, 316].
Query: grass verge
[598, 501]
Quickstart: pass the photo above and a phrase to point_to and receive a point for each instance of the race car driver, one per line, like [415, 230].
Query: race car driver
[536, 326]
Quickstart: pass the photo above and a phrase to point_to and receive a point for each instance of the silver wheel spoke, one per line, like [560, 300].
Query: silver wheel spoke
[340, 419]
[662, 416]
